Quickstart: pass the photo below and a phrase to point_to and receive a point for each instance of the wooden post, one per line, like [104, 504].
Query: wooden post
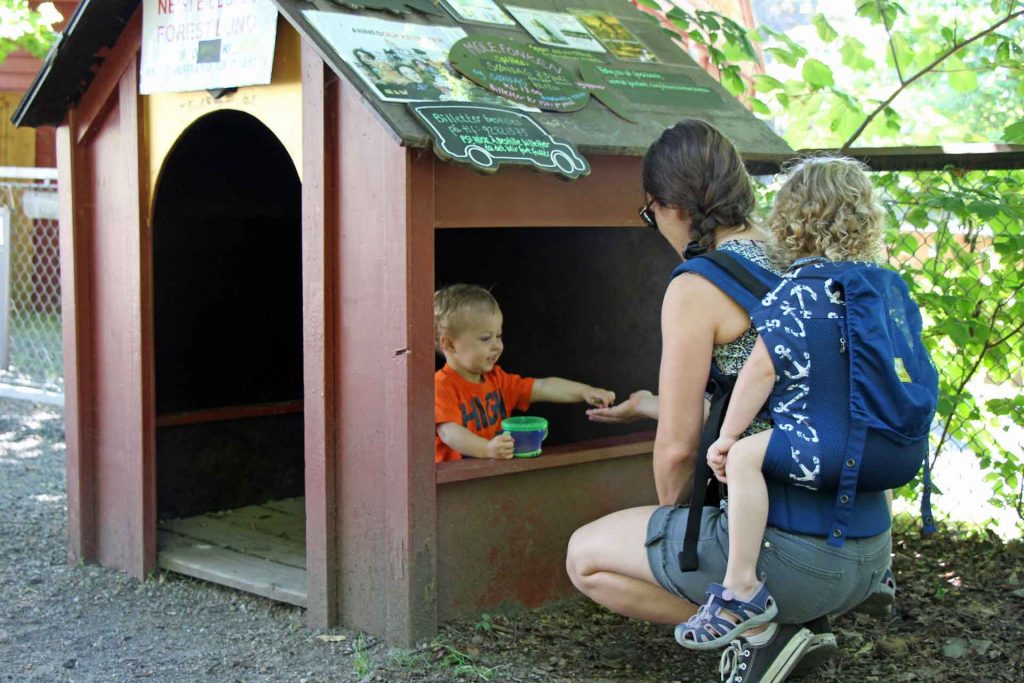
[319, 314]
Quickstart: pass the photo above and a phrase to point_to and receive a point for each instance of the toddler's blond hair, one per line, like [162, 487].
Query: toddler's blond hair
[454, 303]
[826, 207]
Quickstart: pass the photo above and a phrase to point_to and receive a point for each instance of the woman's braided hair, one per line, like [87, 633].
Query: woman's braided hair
[693, 167]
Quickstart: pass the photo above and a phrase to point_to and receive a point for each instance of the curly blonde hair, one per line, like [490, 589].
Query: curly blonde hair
[454, 303]
[826, 207]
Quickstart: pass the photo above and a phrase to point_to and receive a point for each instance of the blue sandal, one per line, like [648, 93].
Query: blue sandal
[724, 618]
[879, 603]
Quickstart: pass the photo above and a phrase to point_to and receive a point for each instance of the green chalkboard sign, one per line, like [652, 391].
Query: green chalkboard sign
[486, 136]
[399, 7]
[516, 71]
[650, 86]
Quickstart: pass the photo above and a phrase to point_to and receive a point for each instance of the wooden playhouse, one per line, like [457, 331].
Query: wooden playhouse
[248, 276]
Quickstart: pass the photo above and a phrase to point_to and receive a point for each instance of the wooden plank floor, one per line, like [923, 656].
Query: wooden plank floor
[259, 549]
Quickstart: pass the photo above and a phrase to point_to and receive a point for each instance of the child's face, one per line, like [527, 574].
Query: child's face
[477, 346]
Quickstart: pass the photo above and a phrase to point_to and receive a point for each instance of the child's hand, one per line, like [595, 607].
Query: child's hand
[501, 447]
[717, 454]
[599, 398]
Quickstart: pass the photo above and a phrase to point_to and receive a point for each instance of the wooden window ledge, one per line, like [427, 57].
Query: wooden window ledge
[554, 456]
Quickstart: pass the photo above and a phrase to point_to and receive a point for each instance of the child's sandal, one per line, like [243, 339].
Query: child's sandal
[724, 618]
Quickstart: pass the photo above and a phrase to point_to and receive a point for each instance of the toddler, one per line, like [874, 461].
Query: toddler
[472, 395]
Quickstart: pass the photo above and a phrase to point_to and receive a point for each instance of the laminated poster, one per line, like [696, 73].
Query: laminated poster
[619, 40]
[557, 29]
[478, 12]
[192, 45]
[399, 61]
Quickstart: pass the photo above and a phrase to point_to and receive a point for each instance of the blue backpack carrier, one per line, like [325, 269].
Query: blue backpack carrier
[884, 325]
[827, 324]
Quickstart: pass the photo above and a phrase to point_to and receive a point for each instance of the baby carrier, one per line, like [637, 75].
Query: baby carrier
[878, 339]
[826, 320]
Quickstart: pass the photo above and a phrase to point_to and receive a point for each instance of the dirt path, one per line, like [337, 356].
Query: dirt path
[960, 615]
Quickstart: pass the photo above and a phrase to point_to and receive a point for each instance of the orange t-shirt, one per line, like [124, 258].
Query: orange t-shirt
[480, 408]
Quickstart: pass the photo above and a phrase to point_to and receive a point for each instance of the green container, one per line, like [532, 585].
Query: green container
[528, 432]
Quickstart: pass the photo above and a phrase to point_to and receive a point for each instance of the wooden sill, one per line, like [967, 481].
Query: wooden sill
[555, 456]
[228, 413]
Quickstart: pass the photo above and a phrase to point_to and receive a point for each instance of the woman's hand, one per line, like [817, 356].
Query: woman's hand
[636, 407]
[717, 454]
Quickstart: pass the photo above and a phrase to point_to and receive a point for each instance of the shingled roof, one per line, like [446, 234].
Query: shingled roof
[594, 129]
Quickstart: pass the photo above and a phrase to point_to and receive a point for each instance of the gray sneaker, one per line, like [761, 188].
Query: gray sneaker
[820, 648]
[767, 657]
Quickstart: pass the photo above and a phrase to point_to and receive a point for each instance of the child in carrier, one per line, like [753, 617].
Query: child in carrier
[838, 326]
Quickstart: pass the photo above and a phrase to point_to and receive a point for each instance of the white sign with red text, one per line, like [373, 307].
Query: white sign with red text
[205, 44]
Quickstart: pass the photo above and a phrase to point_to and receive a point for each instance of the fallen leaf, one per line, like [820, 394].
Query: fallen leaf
[955, 648]
[981, 646]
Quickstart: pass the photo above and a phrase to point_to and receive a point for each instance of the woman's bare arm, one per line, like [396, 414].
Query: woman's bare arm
[690, 316]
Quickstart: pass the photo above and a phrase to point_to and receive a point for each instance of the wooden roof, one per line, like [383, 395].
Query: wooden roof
[593, 129]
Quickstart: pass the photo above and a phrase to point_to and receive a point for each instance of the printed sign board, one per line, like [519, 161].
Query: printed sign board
[206, 44]
[651, 87]
[558, 29]
[517, 72]
[486, 137]
[399, 61]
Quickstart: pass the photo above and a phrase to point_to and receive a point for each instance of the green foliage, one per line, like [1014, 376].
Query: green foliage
[22, 27]
[957, 237]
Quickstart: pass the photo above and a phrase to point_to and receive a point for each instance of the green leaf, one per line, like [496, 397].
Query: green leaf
[732, 81]
[649, 4]
[903, 47]
[817, 74]
[825, 30]
[759, 107]
[766, 83]
[783, 55]
[853, 55]
[1014, 133]
[961, 78]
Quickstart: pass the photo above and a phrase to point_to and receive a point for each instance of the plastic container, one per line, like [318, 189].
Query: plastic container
[527, 432]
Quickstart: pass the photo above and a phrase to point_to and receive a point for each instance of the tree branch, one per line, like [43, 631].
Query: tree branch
[938, 60]
[892, 45]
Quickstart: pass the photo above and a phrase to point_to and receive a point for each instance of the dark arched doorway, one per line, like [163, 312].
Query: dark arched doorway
[227, 328]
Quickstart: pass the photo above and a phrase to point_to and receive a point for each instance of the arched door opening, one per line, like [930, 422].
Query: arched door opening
[227, 327]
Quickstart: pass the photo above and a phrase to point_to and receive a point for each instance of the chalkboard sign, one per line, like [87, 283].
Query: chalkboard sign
[486, 136]
[651, 86]
[518, 72]
[398, 7]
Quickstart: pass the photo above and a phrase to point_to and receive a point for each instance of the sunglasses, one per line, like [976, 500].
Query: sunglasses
[647, 215]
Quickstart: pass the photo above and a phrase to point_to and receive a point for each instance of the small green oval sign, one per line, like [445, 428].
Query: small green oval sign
[515, 71]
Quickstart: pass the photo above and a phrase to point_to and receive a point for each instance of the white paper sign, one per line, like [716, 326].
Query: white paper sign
[203, 44]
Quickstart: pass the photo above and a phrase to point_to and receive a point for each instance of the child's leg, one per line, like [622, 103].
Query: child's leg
[748, 512]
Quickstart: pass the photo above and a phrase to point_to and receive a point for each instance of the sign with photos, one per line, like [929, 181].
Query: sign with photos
[478, 12]
[558, 29]
[618, 39]
[398, 61]
[487, 137]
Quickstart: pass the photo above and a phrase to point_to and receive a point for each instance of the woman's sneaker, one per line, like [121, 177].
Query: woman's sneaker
[766, 657]
[821, 647]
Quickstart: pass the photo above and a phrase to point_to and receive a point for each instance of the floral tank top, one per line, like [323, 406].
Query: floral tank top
[730, 357]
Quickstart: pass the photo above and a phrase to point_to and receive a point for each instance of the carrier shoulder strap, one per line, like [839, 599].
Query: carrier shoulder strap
[720, 386]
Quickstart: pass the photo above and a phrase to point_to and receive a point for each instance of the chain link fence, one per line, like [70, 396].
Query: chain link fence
[30, 324]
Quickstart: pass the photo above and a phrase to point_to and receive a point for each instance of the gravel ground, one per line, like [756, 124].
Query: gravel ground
[960, 616]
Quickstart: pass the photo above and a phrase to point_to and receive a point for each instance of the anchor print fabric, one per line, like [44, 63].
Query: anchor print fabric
[783, 323]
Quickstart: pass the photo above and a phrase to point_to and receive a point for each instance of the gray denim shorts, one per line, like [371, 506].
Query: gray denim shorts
[807, 577]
